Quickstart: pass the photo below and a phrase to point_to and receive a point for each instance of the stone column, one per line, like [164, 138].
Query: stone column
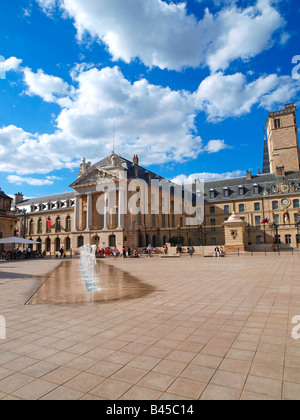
[121, 209]
[106, 213]
[76, 213]
[89, 211]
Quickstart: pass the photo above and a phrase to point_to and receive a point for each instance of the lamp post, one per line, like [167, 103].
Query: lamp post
[178, 235]
[23, 233]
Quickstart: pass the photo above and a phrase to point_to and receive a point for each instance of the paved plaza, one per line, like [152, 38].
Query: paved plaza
[208, 328]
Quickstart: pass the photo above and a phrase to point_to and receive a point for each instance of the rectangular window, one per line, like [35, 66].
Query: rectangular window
[213, 225]
[275, 205]
[212, 210]
[296, 204]
[277, 123]
[257, 221]
[276, 219]
[297, 217]
[288, 239]
[226, 209]
[241, 208]
[256, 206]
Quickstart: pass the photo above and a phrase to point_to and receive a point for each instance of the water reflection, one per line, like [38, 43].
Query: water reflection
[66, 285]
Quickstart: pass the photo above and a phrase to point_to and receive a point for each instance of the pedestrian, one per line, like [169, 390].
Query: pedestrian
[191, 250]
[115, 252]
[216, 252]
[149, 250]
[62, 251]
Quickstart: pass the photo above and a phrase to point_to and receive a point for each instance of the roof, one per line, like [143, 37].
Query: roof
[3, 195]
[47, 198]
[268, 184]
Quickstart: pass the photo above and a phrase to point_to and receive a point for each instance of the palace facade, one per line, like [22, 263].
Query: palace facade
[269, 203]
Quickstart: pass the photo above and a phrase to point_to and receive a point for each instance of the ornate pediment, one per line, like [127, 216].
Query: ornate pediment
[93, 177]
[283, 187]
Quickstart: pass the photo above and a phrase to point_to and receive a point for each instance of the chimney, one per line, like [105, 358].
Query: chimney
[280, 171]
[19, 197]
[249, 175]
[136, 160]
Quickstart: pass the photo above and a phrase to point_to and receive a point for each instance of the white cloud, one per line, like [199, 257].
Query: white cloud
[49, 88]
[222, 96]
[165, 35]
[215, 146]
[11, 63]
[18, 180]
[207, 176]
[243, 34]
[150, 120]
[154, 122]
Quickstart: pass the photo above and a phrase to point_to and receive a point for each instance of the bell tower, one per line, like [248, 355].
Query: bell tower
[283, 142]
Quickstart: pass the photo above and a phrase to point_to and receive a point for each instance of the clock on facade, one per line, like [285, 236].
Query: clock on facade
[285, 202]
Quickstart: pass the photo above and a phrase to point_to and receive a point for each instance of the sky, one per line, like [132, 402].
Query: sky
[185, 85]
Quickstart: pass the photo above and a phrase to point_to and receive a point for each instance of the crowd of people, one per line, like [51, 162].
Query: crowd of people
[18, 254]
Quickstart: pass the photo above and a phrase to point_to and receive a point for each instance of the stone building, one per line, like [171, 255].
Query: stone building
[7, 218]
[92, 214]
[267, 203]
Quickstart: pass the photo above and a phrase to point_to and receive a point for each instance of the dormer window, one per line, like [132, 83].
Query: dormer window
[225, 192]
[241, 190]
[255, 189]
[212, 193]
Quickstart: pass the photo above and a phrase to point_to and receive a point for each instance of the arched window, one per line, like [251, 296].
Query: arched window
[80, 241]
[57, 224]
[68, 244]
[154, 241]
[40, 226]
[68, 224]
[57, 245]
[31, 225]
[48, 245]
[141, 240]
[112, 240]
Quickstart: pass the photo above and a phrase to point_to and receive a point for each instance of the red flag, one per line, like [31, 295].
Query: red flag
[48, 222]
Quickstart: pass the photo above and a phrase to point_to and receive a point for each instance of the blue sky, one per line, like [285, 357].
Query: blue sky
[187, 85]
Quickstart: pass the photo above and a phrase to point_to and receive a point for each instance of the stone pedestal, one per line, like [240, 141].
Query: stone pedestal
[235, 234]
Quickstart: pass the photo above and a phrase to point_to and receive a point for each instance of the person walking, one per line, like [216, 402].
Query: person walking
[62, 251]
[149, 250]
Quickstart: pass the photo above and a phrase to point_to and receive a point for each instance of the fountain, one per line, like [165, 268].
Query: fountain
[88, 265]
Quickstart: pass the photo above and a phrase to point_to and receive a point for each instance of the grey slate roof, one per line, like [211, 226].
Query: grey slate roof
[263, 181]
[47, 198]
[3, 195]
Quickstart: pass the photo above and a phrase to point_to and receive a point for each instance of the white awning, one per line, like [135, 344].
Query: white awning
[15, 240]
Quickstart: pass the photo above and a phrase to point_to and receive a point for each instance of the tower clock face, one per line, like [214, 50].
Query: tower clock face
[285, 202]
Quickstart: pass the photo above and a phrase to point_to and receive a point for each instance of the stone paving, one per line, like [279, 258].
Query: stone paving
[212, 328]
